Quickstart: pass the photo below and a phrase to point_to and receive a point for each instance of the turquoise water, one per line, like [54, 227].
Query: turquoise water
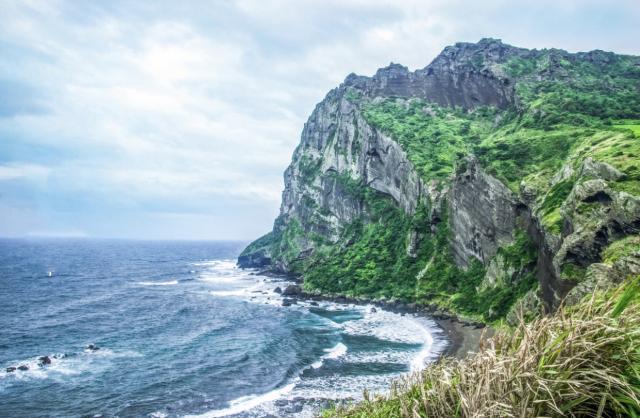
[182, 331]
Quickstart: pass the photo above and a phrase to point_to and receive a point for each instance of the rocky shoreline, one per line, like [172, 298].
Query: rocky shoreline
[463, 335]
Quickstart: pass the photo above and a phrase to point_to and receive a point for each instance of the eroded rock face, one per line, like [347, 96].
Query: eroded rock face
[483, 215]
[339, 148]
[257, 259]
[597, 169]
[459, 76]
[466, 88]
[604, 276]
[337, 144]
[594, 215]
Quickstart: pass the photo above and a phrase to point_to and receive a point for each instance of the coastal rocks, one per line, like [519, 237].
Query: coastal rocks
[42, 361]
[482, 215]
[292, 290]
[258, 253]
[260, 258]
[92, 347]
[295, 406]
[289, 302]
[291, 406]
[277, 290]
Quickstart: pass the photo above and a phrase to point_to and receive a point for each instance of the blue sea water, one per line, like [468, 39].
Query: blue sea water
[182, 331]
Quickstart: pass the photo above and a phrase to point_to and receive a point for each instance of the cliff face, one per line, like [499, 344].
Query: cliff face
[457, 77]
[337, 141]
[434, 185]
[338, 148]
[483, 215]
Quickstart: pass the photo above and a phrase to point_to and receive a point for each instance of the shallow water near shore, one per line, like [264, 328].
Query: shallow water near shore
[182, 331]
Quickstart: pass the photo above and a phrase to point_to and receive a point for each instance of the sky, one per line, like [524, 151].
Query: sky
[176, 119]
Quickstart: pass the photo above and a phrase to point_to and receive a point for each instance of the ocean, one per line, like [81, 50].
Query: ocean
[178, 330]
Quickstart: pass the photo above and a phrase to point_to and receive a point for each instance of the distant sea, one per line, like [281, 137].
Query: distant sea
[181, 331]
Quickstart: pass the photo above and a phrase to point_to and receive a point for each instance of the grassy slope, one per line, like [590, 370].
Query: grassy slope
[583, 361]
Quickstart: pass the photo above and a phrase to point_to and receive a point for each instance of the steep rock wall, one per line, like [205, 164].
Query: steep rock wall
[483, 215]
[456, 77]
[338, 149]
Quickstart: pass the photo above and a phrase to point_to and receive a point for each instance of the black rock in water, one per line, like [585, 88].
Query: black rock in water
[44, 360]
[92, 347]
[292, 290]
[277, 290]
[10, 369]
[23, 367]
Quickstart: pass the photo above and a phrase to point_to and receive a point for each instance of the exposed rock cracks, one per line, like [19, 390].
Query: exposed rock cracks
[338, 151]
[483, 215]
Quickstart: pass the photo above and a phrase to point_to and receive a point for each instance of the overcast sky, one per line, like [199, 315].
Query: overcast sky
[176, 119]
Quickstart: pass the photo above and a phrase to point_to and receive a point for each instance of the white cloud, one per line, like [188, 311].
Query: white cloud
[57, 234]
[159, 104]
[13, 171]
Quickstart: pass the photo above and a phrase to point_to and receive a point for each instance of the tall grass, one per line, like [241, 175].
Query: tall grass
[584, 361]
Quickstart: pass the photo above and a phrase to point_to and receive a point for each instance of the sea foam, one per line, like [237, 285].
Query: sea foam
[167, 283]
[246, 403]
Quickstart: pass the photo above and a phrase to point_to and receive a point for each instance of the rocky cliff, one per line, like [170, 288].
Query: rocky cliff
[492, 179]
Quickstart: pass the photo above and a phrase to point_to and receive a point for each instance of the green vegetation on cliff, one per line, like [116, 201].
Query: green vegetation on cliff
[373, 260]
[492, 183]
[377, 263]
[561, 121]
[433, 137]
[564, 112]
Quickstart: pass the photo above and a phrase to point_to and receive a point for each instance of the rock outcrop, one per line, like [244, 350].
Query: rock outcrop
[457, 77]
[483, 215]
